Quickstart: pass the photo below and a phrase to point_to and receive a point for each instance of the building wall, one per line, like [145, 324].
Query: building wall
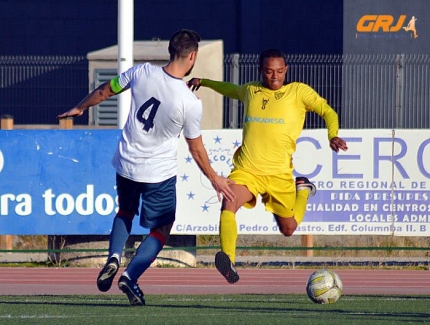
[208, 65]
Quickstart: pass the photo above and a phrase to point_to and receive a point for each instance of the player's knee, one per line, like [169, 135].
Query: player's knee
[230, 206]
[287, 231]
[287, 226]
[126, 214]
[163, 230]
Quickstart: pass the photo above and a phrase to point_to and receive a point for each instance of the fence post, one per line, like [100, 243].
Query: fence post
[307, 241]
[233, 118]
[57, 242]
[7, 122]
[6, 241]
[66, 123]
[400, 58]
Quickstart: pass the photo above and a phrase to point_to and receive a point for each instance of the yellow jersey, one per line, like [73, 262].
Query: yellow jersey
[272, 123]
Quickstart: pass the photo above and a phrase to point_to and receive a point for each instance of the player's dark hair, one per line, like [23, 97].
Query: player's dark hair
[271, 53]
[182, 43]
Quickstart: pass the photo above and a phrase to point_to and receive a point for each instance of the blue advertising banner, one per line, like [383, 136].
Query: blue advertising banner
[61, 182]
[57, 181]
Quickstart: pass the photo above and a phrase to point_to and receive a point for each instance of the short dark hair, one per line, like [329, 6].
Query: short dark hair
[183, 42]
[271, 53]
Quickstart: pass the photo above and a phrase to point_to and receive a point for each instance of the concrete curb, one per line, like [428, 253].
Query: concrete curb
[257, 261]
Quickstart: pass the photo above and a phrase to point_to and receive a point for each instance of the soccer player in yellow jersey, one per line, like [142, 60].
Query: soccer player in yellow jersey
[273, 120]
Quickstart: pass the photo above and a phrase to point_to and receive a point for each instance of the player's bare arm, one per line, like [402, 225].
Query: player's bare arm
[97, 96]
[219, 183]
[337, 144]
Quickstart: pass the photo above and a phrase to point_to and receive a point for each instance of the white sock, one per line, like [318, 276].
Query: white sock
[126, 275]
[117, 257]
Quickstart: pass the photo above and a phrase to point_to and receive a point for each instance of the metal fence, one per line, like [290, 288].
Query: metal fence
[386, 91]
[367, 91]
[35, 89]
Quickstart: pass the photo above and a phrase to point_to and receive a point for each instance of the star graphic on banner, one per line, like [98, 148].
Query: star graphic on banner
[191, 196]
[220, 156]
[217, 139]
[188, 160]
[236, 144]
[205, 208]
[184, 178]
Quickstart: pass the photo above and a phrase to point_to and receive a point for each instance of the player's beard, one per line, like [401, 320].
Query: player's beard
[189, 71]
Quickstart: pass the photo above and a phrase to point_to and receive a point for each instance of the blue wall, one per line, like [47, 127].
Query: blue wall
[58, 27]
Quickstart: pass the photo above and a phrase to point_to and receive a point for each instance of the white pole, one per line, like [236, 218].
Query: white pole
[125, 53]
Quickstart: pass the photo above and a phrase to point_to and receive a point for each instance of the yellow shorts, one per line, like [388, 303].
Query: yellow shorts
[278, 192]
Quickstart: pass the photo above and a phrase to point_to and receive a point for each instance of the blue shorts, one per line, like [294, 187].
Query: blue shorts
[158, 200]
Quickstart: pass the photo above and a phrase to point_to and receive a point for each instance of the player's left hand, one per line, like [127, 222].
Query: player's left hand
[194, 84]
[337, 143]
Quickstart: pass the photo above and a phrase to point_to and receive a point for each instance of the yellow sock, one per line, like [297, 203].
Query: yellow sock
[228, 233]
[300, 205]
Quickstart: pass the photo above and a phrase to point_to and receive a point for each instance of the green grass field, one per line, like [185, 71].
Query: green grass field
[213, 309]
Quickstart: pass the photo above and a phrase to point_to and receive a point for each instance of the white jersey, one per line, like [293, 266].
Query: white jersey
[161, 107]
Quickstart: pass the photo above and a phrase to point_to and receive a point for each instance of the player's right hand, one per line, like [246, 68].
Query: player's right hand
[194, 84]
[73, 112]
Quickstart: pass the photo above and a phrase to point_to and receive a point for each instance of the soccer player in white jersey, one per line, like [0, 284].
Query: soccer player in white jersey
[145, 161]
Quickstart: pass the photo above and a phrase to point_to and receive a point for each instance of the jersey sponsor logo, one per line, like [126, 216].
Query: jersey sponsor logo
[386, 26]
[264, 120]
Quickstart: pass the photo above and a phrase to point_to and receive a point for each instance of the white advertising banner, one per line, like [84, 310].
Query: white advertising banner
[380, 186]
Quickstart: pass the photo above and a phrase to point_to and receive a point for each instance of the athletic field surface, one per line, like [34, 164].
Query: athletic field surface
[48, 295]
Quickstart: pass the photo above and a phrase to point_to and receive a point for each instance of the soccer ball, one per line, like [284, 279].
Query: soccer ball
[324, 287]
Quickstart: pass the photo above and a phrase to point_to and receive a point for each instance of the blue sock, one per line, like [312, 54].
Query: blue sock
[146, 253]
[121, 229]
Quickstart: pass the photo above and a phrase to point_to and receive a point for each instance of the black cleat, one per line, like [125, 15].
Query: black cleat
[226, 267]
[303, 183]
[107, 274]
[132, 290]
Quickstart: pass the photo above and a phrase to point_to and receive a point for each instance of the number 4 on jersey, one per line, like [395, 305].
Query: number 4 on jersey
[148, 123]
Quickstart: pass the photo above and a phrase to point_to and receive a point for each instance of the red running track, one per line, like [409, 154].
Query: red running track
[67, 281]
